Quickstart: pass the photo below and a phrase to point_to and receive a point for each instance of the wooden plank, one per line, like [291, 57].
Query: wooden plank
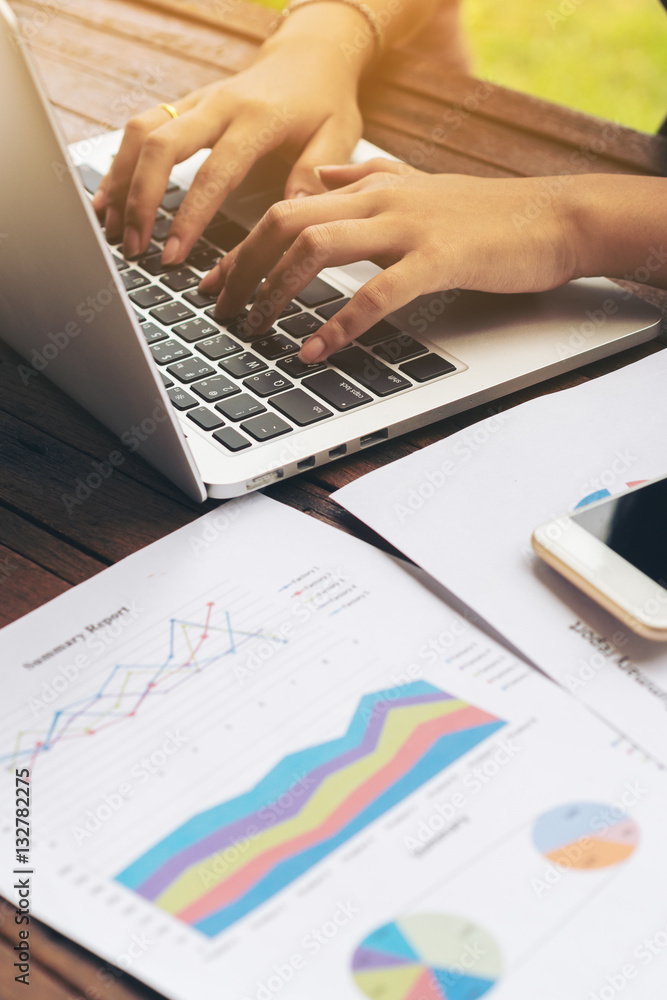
[161, 32]
[468, 95]
[491, 142]
[45, 550]
[24, 586]
[250, 20]
[42, 477]
[437, 159]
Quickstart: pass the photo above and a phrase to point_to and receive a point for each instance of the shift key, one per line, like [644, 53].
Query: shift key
[371, 372]
[336, 390]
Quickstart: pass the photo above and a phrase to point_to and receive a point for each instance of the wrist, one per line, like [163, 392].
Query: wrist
[338, 30]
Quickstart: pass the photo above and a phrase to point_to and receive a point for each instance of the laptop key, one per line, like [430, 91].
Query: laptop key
[172, 200]
[132, 279]
[225, 235]
[180, 279]
[167, 381]
[161, 229]
[399, 349]
[122, 265]
[372, 374]
[302, 325]
[231, 439]
[205, 259]
[290, 309]
[190, 370]
[168, 351]
[427, 367]
[198, 300]
[218, 347]
[336, 390]
[377, 333]
[205, 418]
[267, 383]
[154, 266]
[297, 369]
[326, 312]
[181, 399]
[240, 407]
[152, 295]
[317, 293]
[300, 407]
[214, 388]
[266, 426]
[195, 329]
[276, 346]
[153, 333]
[243, 365]
[150, 250]
[171, 312]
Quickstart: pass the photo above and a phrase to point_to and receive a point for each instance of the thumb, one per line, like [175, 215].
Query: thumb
[332, 143]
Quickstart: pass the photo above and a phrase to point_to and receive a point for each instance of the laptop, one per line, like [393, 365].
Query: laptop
[219, 413]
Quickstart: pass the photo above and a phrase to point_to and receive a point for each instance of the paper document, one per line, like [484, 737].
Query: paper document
[266, 762]
[465, 509]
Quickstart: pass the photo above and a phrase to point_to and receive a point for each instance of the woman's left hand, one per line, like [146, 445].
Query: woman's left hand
[429, 231]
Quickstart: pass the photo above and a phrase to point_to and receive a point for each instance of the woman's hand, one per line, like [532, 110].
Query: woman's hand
[299, 96]
[430, 231]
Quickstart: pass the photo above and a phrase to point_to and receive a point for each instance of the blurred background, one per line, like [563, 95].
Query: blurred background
[606, 57]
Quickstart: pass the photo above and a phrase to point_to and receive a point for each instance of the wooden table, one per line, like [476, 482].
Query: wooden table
[103, 60]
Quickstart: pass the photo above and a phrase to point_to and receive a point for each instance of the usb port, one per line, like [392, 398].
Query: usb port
[306, 463]
[374, 438]
[337, 452]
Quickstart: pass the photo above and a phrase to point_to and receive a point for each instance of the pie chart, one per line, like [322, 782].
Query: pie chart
[427, 956]
[586, 835]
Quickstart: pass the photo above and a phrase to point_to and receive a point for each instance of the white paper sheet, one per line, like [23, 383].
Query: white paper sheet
[465, 508]
[149, 700]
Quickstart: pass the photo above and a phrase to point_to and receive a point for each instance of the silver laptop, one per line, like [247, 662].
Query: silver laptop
[217, 412]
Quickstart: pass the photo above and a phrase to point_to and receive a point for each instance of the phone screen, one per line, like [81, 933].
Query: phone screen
[634, 526]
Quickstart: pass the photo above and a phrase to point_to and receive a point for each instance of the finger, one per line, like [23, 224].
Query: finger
[117, 182]
[330, 144]
[217, 177]
[335, 175]
[172, 143]
[380, 296]
[285, 222]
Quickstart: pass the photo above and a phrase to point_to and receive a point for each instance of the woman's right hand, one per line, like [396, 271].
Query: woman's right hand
[299, 96]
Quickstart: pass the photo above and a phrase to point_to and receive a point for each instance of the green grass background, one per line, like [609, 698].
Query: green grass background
[607, 57]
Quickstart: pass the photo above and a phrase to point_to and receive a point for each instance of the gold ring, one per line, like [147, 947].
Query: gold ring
[170, 109]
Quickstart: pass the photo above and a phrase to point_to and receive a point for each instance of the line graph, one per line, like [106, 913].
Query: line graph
[128, 685]
[221, 864]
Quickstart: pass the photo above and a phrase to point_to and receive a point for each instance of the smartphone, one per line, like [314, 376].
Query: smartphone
[615, 551]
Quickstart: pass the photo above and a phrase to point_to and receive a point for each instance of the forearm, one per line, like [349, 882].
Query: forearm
[332, 23]
[619, 226]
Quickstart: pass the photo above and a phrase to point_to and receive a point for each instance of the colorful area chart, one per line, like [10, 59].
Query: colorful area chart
[223, 863]
[427, 956]
[586, 835]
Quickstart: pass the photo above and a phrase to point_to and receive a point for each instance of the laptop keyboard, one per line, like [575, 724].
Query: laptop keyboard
[243, 390]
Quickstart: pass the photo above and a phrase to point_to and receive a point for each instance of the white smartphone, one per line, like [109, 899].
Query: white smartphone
[615, 551]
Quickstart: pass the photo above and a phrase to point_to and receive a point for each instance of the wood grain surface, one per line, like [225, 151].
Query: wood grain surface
[103, 60]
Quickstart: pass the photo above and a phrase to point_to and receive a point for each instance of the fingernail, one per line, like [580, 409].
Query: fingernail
[113, 223]
[131, 242]
[313, 350]
[301, 194]
[316, 171]
[171, 250]
[209, 280]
